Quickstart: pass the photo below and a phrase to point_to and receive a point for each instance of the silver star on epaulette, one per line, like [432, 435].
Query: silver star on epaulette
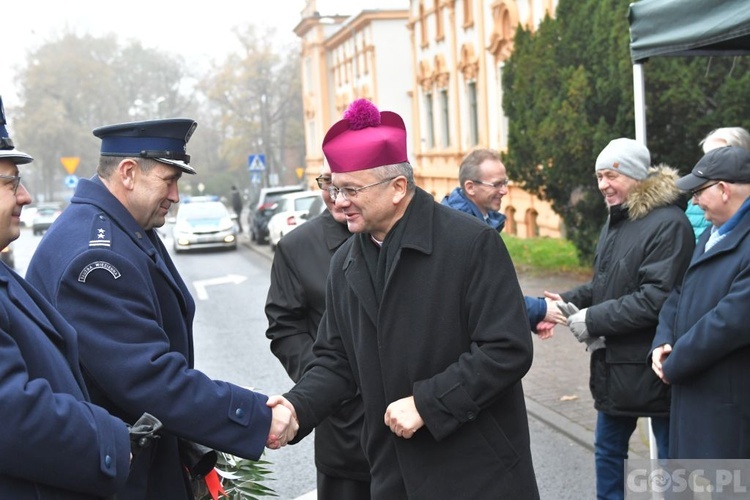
[100, 234]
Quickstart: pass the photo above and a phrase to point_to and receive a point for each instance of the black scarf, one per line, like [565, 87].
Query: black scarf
[380, 259]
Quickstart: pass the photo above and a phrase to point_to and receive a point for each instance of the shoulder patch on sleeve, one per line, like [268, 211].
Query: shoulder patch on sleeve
[99, 264]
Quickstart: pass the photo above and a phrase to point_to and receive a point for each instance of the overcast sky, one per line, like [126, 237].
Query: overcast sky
[199, 31]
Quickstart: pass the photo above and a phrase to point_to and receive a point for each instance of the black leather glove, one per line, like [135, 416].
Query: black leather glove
[143, 433]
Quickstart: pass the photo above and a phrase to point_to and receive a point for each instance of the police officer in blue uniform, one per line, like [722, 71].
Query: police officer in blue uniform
[55, 444]
[104, 267]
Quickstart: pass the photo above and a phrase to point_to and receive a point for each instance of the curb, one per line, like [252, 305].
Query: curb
[574, 431]
[263, 250]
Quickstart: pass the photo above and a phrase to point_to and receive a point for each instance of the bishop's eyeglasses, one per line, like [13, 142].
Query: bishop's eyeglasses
[349, 192]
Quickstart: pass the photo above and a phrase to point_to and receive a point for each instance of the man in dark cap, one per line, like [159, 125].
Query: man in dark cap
[412, 323]
[702, 343]
[55, 443]
[107, 271]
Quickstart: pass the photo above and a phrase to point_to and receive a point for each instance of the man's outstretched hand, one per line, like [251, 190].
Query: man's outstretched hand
[284, 424]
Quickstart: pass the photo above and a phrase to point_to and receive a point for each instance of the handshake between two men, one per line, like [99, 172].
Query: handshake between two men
[575, 319]
[401, 417]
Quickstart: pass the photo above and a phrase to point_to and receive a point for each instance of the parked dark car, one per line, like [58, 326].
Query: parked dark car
[261, 211]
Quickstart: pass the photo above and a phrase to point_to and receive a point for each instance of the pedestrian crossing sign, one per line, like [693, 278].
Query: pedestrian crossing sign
[256, 163]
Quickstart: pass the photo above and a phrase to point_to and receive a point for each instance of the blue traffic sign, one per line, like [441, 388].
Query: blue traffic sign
[71, 181]
[256, 163]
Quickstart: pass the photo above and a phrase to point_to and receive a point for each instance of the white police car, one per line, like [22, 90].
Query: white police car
[203, 224]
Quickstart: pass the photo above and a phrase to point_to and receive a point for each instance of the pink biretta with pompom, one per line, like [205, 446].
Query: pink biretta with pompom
[365, 138]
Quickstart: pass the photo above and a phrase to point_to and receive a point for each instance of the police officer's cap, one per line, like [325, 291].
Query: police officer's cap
[7, 149]
[162, 140]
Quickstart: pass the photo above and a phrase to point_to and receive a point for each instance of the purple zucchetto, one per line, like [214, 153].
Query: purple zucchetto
[365, 138]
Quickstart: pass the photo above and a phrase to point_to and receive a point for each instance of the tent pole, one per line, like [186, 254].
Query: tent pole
[639, 95]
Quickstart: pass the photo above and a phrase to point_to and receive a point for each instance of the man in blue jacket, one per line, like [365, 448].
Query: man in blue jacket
[483, 183]
[55, 443]
[702, 343]
[105, 268]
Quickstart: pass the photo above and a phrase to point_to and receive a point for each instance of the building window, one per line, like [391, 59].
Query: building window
[439, 35]
[308, 73]
[311, 136]
[532, 228]
[510, 221]
[445, 118]
[355, 57]
[473, 113]
[429, 120]
[423, 25]
[503, 119]
[468, 13]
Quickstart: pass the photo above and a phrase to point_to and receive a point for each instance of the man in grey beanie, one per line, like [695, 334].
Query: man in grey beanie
[643, 251]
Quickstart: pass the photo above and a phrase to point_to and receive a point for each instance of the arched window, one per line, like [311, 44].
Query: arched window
[510, 222]
[439, 35]
[532, 228]
[468, 13]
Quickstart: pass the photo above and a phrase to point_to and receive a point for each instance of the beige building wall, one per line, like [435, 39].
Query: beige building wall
[366, 55]
[439, 65]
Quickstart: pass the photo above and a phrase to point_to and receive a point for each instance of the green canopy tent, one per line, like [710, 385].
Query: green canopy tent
[683, 28]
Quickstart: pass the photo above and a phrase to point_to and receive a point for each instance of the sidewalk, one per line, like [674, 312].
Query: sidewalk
[556, 386]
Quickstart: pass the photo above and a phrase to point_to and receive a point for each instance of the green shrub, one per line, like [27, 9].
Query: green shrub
[543, 255]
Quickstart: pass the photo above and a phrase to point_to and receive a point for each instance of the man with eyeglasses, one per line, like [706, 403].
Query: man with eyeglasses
[642, 253]
[483, 182]
[702, 343]
[412, 324]
[718, 138]
[105, 268]
[294, 307]
[56, 444]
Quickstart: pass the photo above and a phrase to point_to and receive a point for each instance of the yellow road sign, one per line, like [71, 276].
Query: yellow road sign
[70, 163]
[300, 173]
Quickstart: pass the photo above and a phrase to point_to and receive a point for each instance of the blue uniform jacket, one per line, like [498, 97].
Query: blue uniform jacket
[53, 443]
[119, 288]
